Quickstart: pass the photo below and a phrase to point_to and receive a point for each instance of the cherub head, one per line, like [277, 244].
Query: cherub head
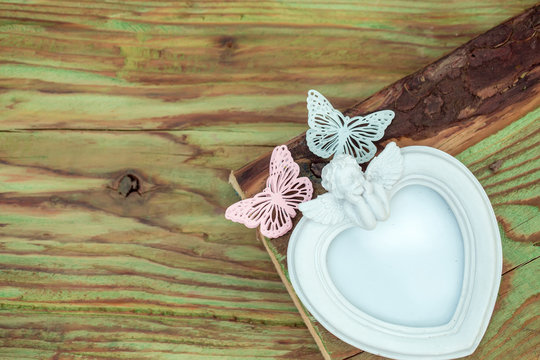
[343, 177]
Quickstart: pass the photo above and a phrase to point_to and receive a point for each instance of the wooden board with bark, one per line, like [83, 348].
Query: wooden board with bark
[480, 103]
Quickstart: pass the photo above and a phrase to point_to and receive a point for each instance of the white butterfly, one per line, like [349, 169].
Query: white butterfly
[334, 133]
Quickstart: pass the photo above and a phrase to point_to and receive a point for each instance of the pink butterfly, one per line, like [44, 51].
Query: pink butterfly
[275, 206]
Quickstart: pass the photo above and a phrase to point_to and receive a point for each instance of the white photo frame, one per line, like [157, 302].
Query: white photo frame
[482, 265]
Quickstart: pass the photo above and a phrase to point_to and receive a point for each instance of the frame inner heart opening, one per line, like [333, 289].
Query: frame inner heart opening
[408, 270]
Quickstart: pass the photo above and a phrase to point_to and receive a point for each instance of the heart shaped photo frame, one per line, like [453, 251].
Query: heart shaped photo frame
[403, 259]
[422, 282]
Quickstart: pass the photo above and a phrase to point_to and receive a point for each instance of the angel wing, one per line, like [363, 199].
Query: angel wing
[331, 132]
[325, 209]
[386, 169]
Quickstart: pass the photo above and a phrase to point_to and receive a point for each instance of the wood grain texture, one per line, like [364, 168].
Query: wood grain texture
[178, 65]
[175, 94]
[87, 272]
[506, 162]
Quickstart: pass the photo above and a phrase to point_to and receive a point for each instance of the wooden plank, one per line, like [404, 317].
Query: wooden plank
[35, 334]
[506, 163]
[89, 272]
[178, 65]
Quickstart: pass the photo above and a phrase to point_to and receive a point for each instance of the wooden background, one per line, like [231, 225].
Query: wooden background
[176, 94]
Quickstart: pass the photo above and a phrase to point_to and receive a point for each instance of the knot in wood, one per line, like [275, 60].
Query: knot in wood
[433, 104]
[129, 184]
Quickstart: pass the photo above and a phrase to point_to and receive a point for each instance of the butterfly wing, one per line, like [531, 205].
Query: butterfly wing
[297, 192]
[386, 169]
[324, 122]
[277, 223]
[262, 210]
[363, 131]
[284, 181]
[250, 212]
[282, 167]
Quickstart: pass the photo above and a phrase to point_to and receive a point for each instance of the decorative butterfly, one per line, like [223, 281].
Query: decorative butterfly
[334, 133]
[275, 206]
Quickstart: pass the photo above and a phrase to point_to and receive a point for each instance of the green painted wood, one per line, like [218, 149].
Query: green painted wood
[86, 272]
[176, 94]
[148, 65]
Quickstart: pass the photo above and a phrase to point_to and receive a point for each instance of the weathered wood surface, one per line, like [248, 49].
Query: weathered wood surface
[483, 97]
[176, 94]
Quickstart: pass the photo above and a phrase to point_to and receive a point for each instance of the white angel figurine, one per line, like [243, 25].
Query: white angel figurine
[353, 195]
